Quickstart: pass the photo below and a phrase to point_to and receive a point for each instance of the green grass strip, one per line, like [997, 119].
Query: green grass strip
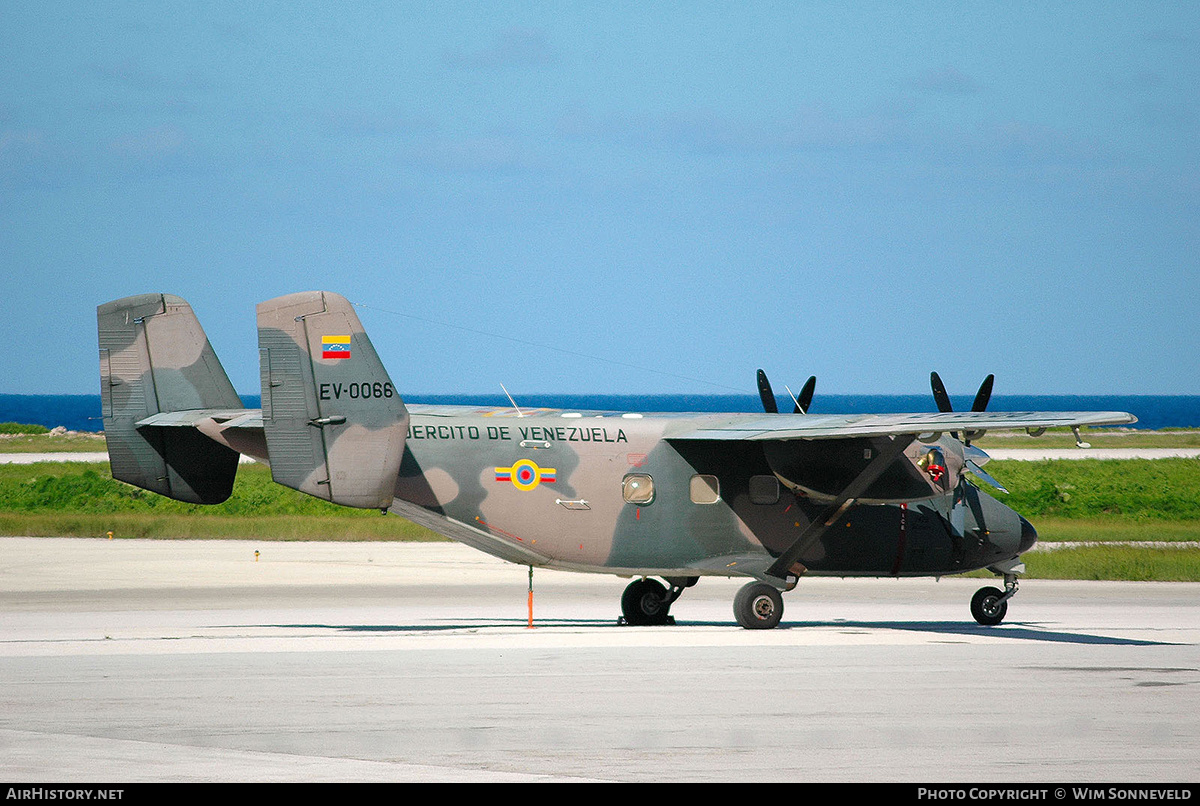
[1114, 529]
[1121, 563]
[1127, 489]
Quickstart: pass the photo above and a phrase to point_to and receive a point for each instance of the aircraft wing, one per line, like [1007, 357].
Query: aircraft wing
[839, 426]
[758, 427]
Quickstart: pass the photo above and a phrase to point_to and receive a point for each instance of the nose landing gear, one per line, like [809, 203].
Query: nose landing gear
[989, 605]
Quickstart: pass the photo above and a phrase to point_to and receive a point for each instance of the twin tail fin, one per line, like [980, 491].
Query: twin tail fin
[333, 423]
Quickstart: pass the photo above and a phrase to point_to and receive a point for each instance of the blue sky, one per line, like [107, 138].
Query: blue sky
[618, 197]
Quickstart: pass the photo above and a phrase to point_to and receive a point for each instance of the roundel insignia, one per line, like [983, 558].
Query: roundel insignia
[525, 474]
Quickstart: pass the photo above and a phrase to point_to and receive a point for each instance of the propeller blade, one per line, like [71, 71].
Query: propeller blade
[980, 404]
[765, 393]
[976, 455]
[939, 393]
[978, 471]
[941, 397]
[984, 394]
[804, 401]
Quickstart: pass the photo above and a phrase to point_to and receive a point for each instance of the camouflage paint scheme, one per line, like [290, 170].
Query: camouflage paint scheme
[545, 487]
[592, 453]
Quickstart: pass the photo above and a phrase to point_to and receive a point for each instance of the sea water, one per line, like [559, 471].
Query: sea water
[82, 412]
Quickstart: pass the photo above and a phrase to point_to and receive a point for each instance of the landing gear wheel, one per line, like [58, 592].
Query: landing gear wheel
[988, 606]
[758, 606]
[645, 603]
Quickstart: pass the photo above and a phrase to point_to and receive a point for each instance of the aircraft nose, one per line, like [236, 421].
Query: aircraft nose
[1028, 536]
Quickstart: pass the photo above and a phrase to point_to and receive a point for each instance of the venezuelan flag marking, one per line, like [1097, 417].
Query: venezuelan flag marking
[335, 347]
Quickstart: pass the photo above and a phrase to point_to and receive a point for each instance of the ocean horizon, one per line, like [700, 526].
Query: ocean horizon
[82, 412]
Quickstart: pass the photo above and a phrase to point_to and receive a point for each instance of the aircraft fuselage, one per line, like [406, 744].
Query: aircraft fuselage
[614, 493]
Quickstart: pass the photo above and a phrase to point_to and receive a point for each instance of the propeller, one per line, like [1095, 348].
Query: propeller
[802, 403]
[765, 393]
[973, 457]
[982, 397]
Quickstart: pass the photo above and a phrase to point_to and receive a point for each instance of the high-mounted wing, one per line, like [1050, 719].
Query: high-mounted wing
[756, 427]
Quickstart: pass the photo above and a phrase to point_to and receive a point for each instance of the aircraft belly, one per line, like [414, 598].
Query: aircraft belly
[475, 538]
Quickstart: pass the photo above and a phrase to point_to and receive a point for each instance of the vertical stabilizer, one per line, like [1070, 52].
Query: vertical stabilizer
[154, 358]
[334, 422]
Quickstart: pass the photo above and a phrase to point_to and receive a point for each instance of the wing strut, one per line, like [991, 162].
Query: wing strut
[782, 567]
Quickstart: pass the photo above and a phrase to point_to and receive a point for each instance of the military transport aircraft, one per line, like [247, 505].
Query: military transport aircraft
[770, 496]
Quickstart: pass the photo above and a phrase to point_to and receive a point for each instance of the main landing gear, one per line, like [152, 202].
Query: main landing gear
[758, 606]
[989, 605]
[647, 602]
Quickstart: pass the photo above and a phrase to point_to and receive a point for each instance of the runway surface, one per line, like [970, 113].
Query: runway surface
[134, 660]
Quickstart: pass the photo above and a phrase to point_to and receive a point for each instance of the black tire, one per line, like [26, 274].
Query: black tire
[987, 608]
[758, 606]
[644, 603]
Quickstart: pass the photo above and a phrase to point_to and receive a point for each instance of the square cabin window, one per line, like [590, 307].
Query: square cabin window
[638, 488]
[764, 490]
[704, 490]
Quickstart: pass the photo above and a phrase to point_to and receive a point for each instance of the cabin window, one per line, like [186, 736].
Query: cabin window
[764, 490]
[704, 490]
[638, 488]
